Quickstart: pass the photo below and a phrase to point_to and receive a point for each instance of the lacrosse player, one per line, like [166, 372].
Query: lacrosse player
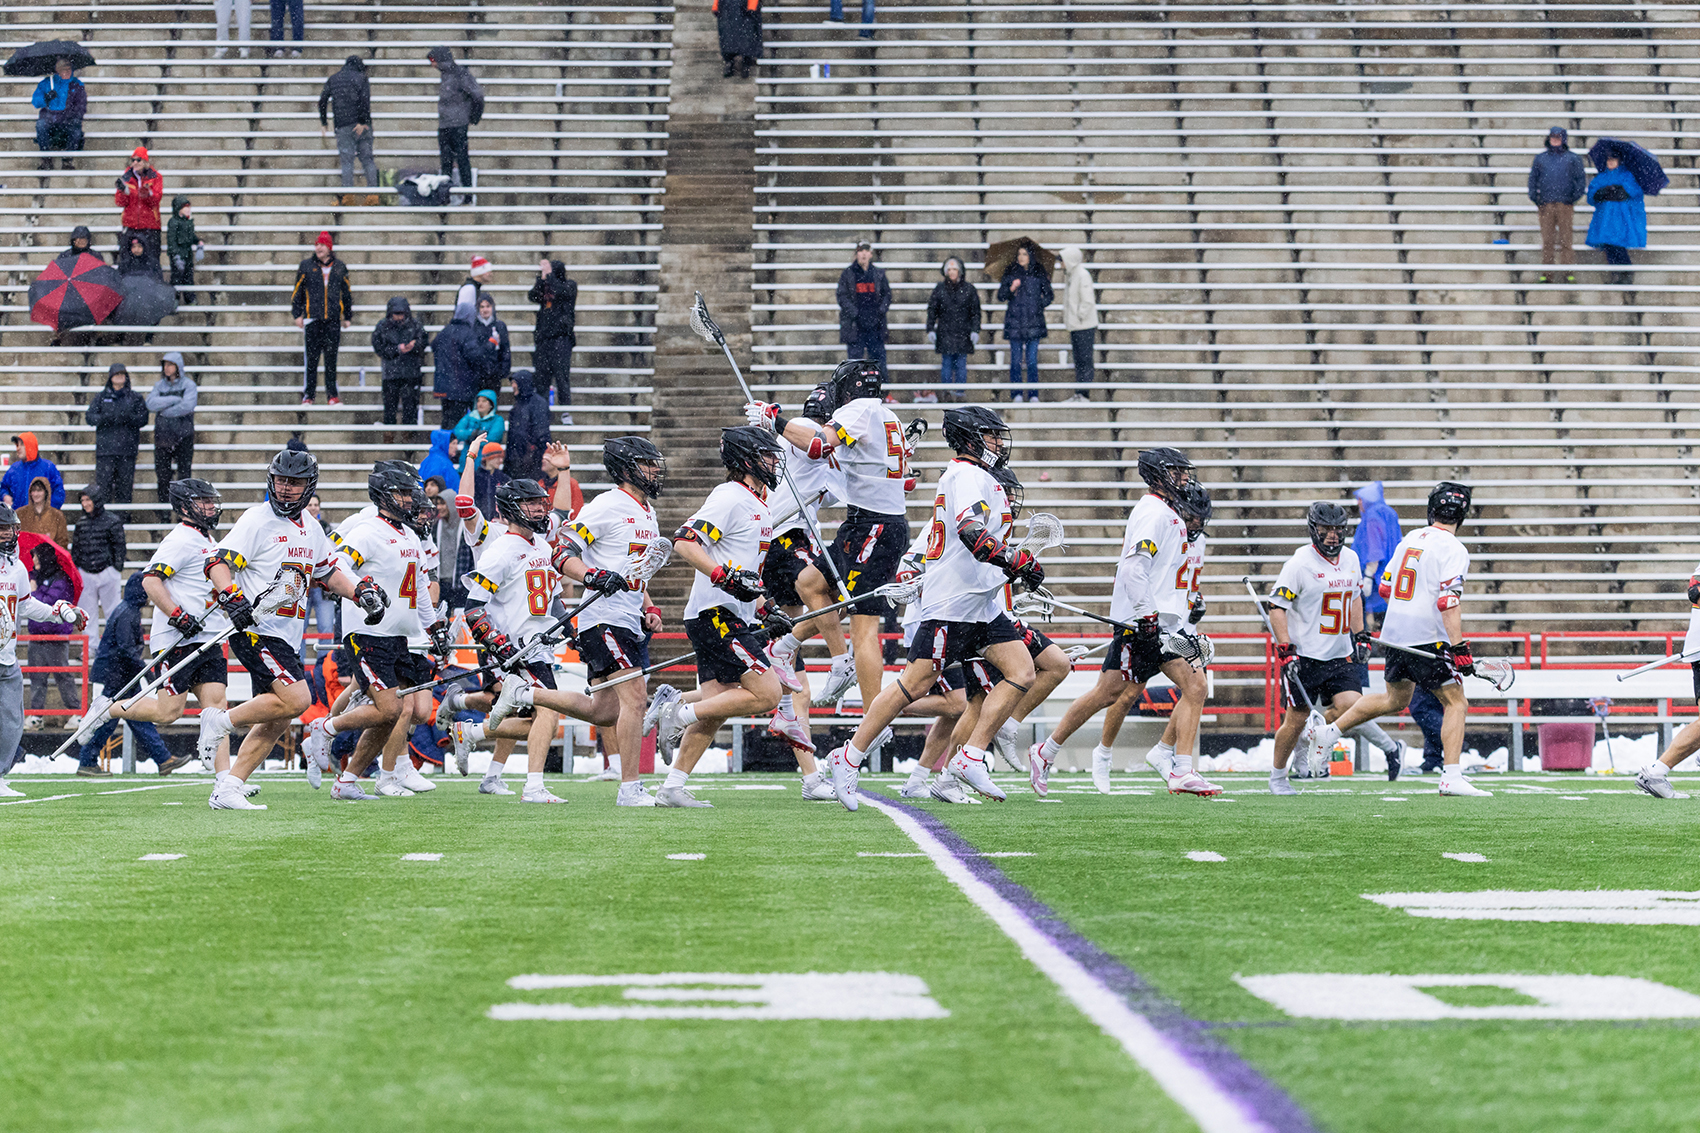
[725, 542]
[601, 545]
[969, 560]
[1423, 583]
[16, 602]
[271, 546]
[185, 618]
[1655, 777]
[1151, 597]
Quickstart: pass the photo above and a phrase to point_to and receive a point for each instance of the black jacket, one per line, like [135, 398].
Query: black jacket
[953, 313]
[528, 430]
[497, 377]
[388, 337]
[863, 298]
[464, 359]
[308, 301]
[120, 654]
[351, 91]
[97, 541]
[118, 417]
[1024, 318]
[557, 305]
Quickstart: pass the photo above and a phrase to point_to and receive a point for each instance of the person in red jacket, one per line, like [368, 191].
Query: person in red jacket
[140, 189]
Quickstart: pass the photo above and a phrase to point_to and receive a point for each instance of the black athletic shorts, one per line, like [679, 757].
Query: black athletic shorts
[268, 660]
[1429, 673]
[949, 643]
[1321, 680]
[1034, 639]
[1137, 661]
[211, 669]
[979, 674]
[727, 647]
[952, 678]
[606, 649]
[787, 555]
[867, 551]
[386, 663]
[1696, 667]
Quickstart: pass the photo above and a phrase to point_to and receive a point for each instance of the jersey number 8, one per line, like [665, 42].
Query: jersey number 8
[537, 588]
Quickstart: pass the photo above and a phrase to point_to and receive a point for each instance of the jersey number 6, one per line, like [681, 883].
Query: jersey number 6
[1405, 581]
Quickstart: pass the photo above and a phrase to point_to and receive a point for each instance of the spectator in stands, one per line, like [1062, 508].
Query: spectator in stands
[118, 415]
[400, 342]
[140, 190]
[118, 659]
[297, 27]
[351, 92]
[740, 35]
[481, 420]
[953, 327]
[460, 105]
[40, 517]
[63, 101]
[52, 645]
[1080, 319]
[172, 401]
[28, 464]
[864, 296]
[1556, 179]
[322, 305]
[81, 244]
[133, 259]
[496, 332]
[464, 358]
[478, 276]
[183, 248]
[243, 11]
[528, 429]
[1620, 216]
[1026, 288]
[440, 463]
[1377, 535]
[553, 338]
[837, 16]
[97, 550]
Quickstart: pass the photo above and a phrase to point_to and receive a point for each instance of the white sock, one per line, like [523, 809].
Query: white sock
[1099, 750]
[811, 778]
[218, 780]
[786, 710]
[456, 699]
[534, 780]
[330, 725]
[1048, 750]
[494, 771]
[614, 762]
[1452, 771]
[918, 777]
[686, 715]
[1657, 767]
[1183, 762]
[342, 777]
[1372, 733]
[973, 754]
[853, 755]
[1278, 772]
[1165, 749]
[474, 733]
[676, 778]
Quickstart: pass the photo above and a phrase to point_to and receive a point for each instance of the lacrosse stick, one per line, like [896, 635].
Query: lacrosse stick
[1315, 713]
[1044, 533]
[1079, 653]
[1493, 670]
[1674, 658]
[1196, 649]
[1602, 708]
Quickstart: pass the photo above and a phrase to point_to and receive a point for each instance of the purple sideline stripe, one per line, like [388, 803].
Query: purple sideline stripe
[1191, 1037]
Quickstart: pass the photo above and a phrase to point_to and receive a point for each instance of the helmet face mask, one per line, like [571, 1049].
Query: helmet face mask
[393, 487]
[9, 529]
[979, 434]
[746, 450]
[635, 461]
[1167, 472]
[196, 503]
[523, 503]
[424, 516]
[1329, 525]
[290, 481]
[1195, 508]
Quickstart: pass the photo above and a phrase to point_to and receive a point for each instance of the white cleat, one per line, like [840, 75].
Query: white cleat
[844, 777]
[390, 788]
[1038, 770]
[1281, 785]
[914, 790]
[839, 679]
[633, 794]
[1658, 785]
[446, 709]
[606, 775]
[462, 746]
[818, 789]
[316, 748]
[344, 792]
[1461, 786]
[785, 669]
[947, 788]
[249, 790]
[100, 711]
[974, 773]
[678, 797]
[7, 791]
[515, 695]
[1321, 747]
[652, 715]
[668, 730]
[228, 796]
[356, 698]
[493, 785]
[1161, 760]
[1307, 734]
[886, 736]
[1101, 769]
[540, 795]
[408, 776]
[1005, 744]
[793, 732]
[1190, 782]
[215, 725]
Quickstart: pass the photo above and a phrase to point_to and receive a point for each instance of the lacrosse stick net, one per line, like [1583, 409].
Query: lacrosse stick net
[1038, 605]
[1045, 532]
[1496, 671]
[703, 324]
[288, 589]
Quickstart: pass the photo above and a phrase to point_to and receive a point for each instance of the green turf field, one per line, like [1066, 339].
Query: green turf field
[291, 972]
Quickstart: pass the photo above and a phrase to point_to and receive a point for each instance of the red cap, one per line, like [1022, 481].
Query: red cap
[325, 239]
[141, 152]
[480, 265]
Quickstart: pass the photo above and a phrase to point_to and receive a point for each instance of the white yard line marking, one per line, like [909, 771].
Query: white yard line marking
[1205, 856]
[422, 857]
[886, 854]
[722, 995]
[686, 857]
[1192, 1089]
[155, 787]
[159, 857]
[1466, 857]
[43, 799]
[1312, 995]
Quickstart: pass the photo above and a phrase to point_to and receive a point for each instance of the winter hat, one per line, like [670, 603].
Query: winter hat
[491, 448]
[325, 239]
[117, 368]
[480, 266]
[141, 152]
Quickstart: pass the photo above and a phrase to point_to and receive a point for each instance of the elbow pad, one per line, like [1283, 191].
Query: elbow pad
[981, 543]
[1448, 601]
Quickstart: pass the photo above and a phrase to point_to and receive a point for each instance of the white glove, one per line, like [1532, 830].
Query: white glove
[974, 337]
[66, 612]
[761, 414]
[933, 337]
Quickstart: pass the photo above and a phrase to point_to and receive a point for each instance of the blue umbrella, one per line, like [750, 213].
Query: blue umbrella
[1642, 166]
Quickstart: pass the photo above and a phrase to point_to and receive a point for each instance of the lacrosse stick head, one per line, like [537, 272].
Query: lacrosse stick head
[651, 559]
[1193, 648]
[1044, 533]
[290, 589]
[1077, 653]
[702, 325]
[905, 593]
[1038, 605]
[1499, 673]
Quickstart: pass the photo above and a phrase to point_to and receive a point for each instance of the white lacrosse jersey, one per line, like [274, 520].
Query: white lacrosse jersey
[515, 577]
[261, 544]
[1692, 641]
[735, 525]
[180, 561]
[389, 554]
[1427, 563]
[613, 532]
[1174, 598]
[430, 564]
[1318, 596]
[15, 592]
[1153, 553]
[872, 455]
[960, 588]
[811, 478]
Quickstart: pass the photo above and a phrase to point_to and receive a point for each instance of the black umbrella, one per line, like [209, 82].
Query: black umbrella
[147, 300]
[40, 58]
[74, 291]
[1642, 166]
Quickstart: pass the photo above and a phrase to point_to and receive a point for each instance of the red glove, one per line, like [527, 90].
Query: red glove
[465, 507]
[1147, 630]
[744, 585]
[1025, 569]
[652, 619]
[1463, 661]
[1287, 656]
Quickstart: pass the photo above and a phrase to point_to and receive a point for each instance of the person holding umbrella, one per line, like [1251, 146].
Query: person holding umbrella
[62, 101]
[1627, 174]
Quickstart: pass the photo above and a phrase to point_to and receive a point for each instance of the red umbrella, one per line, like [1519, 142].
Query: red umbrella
[74, 292]
[27, 542]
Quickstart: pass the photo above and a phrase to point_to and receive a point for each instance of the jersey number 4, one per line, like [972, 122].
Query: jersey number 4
[410, 587]
[1405, 581]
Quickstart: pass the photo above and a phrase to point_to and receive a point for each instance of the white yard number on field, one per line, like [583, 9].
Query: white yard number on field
[723, 995]
[1579, 906]
[1321, 995]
